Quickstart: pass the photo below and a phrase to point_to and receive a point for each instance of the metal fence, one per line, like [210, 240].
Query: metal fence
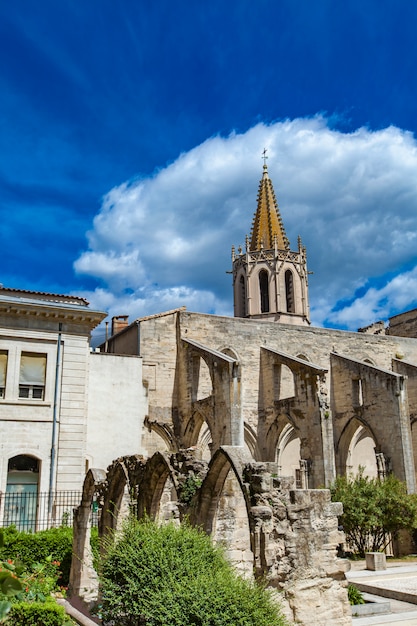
[39, 511]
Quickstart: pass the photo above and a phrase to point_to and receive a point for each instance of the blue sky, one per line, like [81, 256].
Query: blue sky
[131, 140]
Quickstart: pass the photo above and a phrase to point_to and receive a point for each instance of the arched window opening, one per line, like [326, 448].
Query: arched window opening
[289, 291]
[242, 297]
[21, 501]
[204, 443]
[202, 383]
[284, 385]
[288, 453]
[361, 454]
[264, 291]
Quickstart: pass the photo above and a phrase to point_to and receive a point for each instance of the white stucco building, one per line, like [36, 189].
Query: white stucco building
[60, 404]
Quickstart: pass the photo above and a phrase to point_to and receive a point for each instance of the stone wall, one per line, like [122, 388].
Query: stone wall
[404, 324]
[288, 537]
[251, 387]
[263, 408]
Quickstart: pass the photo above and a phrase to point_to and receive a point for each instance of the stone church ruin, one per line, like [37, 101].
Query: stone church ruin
[250, 418]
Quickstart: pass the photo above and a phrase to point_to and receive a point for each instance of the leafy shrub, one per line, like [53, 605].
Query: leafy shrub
[26, 591]
[41, 580]
[354, 595]
[374, 511]
[170, 576]
[10, 585]
[189, 488]
[31, 548]
[18, 584]
[37, 614]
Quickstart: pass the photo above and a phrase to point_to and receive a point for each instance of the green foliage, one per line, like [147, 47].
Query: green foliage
[174, 576]
[373, 510]
[354, 595]
[32, 548]
[41, 580]
[10, 586]
[26, 588]
[189, 488]
[37, 614]
[20, 585]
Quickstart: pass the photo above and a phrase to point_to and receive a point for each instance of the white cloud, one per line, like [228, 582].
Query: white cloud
[120, 270]
[165, 241]
[398, 294]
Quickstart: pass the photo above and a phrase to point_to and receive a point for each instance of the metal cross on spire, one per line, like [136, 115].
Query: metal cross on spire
[264, 156]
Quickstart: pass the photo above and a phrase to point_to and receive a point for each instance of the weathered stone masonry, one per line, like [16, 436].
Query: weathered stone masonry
[237, 391]
[248, 381]
[240, 408]
[292, 534]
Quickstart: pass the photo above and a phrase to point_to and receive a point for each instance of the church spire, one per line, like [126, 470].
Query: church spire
[270, 281]
[267, 226]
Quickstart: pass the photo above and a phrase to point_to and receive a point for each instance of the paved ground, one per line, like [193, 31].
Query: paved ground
[398, 584]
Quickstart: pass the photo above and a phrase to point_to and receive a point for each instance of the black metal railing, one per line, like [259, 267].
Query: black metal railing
[39, 511]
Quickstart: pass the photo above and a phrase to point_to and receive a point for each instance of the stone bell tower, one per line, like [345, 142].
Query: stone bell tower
[269, 280]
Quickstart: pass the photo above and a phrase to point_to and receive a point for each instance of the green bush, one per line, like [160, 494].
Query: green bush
[37, 614]
[31, 548]
[18, 585]
[10, 581]
[374, 511]
[170, 576]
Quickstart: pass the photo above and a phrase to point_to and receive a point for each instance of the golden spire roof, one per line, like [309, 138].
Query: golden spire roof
[267, 224]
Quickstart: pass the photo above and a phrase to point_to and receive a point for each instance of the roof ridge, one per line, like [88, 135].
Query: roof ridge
[46, 295]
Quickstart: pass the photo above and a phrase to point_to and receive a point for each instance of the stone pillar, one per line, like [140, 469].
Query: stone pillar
[294, 540]
[83, 577]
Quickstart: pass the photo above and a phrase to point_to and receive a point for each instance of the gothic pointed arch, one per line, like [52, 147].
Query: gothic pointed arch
[117, 479]
[204, 442]
[157, 472]
[251, 442]
[356, 448]
[288, 451]
[361, 454]
[157, 437]
[82, 572]
[225, 460]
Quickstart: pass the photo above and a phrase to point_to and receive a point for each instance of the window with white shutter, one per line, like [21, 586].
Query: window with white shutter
[32, 375]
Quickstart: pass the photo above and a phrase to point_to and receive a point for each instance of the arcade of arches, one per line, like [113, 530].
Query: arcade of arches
[316, 402]
[247, 421]
[267, 527]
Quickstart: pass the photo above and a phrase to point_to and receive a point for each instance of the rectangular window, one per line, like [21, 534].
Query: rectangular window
[3, 372]
[32, 376]
[357, 393]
